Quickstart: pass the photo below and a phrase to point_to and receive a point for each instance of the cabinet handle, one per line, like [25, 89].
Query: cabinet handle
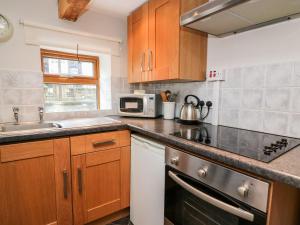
[79, 177]
[108, 142]
[150, 66]
[143, 62]
[65, 183]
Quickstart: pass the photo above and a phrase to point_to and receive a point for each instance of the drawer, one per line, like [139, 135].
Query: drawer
[102, 141]
[97, 142]
[28, 150]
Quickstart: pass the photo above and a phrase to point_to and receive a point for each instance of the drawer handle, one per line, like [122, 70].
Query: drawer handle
[65, 183]
[100, 143]
[79, 177]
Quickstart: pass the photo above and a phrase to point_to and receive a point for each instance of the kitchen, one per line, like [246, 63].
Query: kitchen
[149, 112]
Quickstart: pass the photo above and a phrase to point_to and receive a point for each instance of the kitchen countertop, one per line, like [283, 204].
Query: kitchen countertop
[69, 128]
[285, 169]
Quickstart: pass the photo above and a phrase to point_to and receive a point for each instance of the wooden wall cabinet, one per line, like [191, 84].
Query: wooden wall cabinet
[35, 183]
[100, 175]
[159, 49]
[138, 44]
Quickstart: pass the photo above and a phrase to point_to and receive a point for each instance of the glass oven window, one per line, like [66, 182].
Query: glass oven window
[183, 208]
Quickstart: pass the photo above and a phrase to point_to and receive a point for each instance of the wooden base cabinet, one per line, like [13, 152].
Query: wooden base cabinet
[101, 175]
[284, 205]
[35, 183]
[159, 49]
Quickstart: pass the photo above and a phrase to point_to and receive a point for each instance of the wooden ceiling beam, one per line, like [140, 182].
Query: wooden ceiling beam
[72, 9]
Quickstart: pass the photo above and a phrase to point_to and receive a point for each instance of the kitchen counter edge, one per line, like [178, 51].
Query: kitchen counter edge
[265, 170]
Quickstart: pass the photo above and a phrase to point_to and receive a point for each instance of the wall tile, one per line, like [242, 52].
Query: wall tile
[294, 127]
[12, 79]
[32, 97]
[275, 122]
[295, 100]
[29, 113]
[229, 117]
[1, 96]
[252, 99]
[251, 120]
[279, 75]
[296, 75]
[209, 85]
[7, 114]
[231, 98]
[32, 80]
[254, 77]
[277, 99]
[12, 96]
[262, 97]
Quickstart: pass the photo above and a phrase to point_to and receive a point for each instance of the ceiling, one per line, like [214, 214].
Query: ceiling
[117, 8]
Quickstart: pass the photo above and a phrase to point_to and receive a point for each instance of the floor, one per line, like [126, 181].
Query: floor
[123, 221]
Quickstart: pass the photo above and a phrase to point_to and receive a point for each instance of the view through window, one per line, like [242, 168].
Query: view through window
[71, 81]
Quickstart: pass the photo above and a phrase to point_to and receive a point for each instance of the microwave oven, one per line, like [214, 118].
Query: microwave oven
[140, 105]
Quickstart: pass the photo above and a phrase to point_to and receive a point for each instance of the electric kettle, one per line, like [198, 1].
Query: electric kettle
[190, 112]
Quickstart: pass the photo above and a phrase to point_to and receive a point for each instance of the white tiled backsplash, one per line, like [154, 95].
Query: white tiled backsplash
[262, 98]
[204, 90]
[23, 89]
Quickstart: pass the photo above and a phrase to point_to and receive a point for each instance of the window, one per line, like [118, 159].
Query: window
[71, 81]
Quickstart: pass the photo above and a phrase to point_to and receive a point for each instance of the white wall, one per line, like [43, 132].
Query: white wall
[18, 60]
[272, 44]
[14, 54]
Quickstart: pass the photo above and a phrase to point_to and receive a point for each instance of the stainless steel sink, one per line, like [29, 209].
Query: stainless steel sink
[27, 126]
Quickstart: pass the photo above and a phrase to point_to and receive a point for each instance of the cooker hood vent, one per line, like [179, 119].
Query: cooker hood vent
[226, 17]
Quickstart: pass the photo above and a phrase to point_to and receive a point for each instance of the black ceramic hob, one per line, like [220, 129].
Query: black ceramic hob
[252, 144]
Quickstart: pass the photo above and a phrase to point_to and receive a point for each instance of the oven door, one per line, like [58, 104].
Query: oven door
[132, 105]
[189, 202]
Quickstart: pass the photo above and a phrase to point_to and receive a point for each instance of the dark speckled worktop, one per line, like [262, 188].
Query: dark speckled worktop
[285, 169]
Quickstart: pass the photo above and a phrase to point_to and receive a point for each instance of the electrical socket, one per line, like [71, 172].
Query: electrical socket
[215, 75]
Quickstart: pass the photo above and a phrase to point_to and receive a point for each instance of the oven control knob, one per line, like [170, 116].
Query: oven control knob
[175, 160]
[202, 172]
[243, 190]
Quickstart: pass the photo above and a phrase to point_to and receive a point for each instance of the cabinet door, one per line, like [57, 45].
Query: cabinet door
[100, 183]
[138, 45]
[164, 39]
[35, 183]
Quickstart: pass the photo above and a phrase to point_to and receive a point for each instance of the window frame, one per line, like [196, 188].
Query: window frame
[77, 79]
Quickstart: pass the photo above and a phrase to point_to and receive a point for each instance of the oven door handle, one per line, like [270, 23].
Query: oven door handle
[213, 201]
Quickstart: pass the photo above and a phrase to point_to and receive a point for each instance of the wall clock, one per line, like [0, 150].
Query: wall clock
[6, 29]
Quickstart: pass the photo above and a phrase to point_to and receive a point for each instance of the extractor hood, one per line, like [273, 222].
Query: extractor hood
[226, 17]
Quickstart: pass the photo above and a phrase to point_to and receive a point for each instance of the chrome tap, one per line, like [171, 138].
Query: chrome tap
[41, 113]
[16, 114]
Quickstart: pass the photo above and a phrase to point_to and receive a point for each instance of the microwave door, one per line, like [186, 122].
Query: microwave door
[132, 105]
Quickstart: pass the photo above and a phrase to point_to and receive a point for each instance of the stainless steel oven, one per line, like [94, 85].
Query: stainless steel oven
[199, 192]
[140, 105]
